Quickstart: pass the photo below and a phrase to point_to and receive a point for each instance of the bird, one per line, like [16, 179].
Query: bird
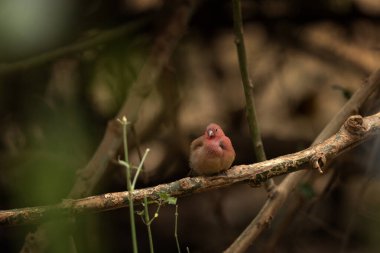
[212, 152]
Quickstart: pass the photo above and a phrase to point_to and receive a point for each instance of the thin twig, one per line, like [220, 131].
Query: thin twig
[139, 168]
[176, 229]
[138, 148]
[130, 187]
[254, 128]
[148, 222]
[354, 131]
[272, 205]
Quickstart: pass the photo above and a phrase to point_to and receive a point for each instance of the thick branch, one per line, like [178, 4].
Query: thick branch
[272, 205]
[355, 130]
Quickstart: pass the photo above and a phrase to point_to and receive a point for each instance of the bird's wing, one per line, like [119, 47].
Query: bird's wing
[197, 143]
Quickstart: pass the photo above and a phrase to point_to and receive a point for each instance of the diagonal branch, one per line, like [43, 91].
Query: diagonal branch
[162, 49]
[88, 177]
[355, 130]
[272, 205]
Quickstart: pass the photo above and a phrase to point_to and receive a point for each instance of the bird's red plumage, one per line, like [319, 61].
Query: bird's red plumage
[212, 152]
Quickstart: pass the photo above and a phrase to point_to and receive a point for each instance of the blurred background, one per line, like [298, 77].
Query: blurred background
[60, 85]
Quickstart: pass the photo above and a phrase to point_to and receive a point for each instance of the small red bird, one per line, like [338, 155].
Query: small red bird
[212, 152]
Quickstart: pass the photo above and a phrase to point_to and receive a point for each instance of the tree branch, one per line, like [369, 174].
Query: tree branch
[102, 37]
[355, 130]
[253, 124]
[88, 177]
[272, 205]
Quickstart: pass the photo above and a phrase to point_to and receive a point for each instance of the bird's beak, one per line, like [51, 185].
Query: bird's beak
[210, 133]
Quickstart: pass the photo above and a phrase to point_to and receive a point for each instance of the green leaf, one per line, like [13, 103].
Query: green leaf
[167, 198]
[172, 200]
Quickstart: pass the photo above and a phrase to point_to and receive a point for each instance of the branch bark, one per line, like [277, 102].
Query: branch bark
[272, 205]
[355, 130]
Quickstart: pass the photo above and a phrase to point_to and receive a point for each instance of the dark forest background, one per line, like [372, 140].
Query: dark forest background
[306, 58]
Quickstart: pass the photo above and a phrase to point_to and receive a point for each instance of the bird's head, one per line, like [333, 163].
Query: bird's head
[213, 130]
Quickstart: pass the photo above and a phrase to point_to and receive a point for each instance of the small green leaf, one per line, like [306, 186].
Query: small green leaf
[167, 198]
[172, 200]
[163, 195]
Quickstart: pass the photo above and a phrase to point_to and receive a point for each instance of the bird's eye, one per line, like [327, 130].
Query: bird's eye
[215, 129]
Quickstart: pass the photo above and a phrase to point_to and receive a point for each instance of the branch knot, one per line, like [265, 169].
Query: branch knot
[355, 125]
[318, 161]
